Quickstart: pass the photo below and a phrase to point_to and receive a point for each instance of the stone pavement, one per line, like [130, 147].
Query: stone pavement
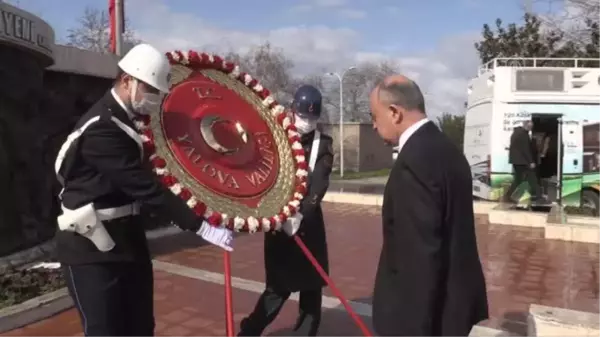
[521, 269]
[188, 307]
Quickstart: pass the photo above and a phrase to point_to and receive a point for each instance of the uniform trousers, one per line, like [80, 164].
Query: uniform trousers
[270, 303]
[113, 298]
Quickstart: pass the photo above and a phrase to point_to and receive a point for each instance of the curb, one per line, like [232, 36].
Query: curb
[578, 229]
[34, 310]
[26, 256]
[53, 303]
[479, 207]
[549, 321]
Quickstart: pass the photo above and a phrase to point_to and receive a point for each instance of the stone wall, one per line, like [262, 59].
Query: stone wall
[363, 148]
[21, 88]
[33, 128]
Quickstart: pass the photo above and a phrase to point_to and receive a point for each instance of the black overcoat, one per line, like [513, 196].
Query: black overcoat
[429, 280]
[287, 268]
[522, 150]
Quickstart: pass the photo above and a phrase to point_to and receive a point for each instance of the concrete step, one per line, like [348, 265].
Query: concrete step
[549, 321]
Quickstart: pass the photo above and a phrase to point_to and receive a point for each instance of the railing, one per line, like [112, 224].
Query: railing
[539, 62]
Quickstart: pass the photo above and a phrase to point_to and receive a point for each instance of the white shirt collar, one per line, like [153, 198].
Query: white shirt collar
[409, 132]
[120, 101]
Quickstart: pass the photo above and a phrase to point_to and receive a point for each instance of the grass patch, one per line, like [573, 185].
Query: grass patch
[335, 175]
[19, 286]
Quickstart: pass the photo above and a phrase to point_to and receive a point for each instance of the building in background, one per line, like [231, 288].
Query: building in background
[363, 148]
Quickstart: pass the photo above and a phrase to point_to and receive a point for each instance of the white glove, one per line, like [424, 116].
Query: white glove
[290, 227]
[218, 236]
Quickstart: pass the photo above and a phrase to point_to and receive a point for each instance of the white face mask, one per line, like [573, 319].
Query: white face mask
[304, 126]
[148, 101]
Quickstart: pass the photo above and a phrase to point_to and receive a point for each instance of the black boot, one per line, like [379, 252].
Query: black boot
[307, 325]
[299, 321]
[249, 329]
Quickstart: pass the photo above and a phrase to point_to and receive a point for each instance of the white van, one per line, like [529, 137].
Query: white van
[562, 97]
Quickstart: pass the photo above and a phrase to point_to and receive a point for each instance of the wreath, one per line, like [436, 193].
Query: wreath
[200, 61]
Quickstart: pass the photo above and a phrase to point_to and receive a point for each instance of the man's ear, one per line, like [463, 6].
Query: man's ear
[397, 113]
[125, 81]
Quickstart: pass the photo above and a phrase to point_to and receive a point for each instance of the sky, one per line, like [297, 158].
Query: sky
[431, 40]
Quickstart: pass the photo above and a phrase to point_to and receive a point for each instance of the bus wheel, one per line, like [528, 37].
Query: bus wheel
[589, 201]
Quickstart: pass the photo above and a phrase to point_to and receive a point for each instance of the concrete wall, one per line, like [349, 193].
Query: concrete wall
[44, 89]
[374, 154]
[363, 148]
[73, 60]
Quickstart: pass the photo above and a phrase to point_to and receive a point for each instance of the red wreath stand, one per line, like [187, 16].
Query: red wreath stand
[205, 130]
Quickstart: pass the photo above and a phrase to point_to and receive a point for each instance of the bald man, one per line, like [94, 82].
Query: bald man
[429, 280]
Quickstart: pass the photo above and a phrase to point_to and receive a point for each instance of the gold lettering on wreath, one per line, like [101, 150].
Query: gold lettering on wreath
[223, 178]
[265, 164]
[206, 93]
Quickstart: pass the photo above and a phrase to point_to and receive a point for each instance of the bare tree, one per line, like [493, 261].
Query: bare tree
[573, 19]
[270, 66]
[357, 86]
[274, 70]
[93, 32]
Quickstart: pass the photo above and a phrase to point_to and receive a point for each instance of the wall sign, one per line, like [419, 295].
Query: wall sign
[18, 27]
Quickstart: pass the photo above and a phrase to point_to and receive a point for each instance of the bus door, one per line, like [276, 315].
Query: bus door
[570, 168]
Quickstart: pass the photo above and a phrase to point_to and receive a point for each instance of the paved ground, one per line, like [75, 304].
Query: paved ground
[361, 188]
[521, 268]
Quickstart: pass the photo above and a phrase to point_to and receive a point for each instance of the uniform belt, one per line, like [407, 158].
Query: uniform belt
[113, 213]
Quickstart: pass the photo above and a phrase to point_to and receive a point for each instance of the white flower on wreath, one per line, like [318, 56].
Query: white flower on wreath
[238, 223]
[176, 188]
[266, 224]
[252, 224]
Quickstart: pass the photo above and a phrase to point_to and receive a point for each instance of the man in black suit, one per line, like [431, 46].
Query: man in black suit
[429, 280]
[102, 167]
[522, 154]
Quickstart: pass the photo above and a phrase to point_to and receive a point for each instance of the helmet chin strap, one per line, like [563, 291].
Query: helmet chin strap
[132, 93]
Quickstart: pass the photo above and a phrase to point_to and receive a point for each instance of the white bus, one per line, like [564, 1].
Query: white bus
[562, 97]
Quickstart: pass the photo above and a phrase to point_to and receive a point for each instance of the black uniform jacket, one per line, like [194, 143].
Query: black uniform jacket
[429, 280]
[105, 166]
[522, 150]
[287, 268]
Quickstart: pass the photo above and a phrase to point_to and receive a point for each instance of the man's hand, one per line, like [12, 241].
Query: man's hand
[532, 165]
[290, 227]
[218, 236]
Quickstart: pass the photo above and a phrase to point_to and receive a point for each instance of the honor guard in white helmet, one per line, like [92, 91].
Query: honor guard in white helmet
[101, 240]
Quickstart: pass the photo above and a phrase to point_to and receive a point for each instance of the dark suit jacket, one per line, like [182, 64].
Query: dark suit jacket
[522, 150]
[429, 279]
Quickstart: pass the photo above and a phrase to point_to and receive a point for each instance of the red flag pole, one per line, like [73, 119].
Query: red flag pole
[229, 329]
[112, 24]
[357, 320]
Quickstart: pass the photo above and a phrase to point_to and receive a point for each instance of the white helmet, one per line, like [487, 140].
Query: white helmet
[148, 65]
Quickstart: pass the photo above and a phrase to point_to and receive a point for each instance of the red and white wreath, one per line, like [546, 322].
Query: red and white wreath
[194, 60]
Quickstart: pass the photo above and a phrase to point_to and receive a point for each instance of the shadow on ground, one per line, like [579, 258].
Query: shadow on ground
[334, 322]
